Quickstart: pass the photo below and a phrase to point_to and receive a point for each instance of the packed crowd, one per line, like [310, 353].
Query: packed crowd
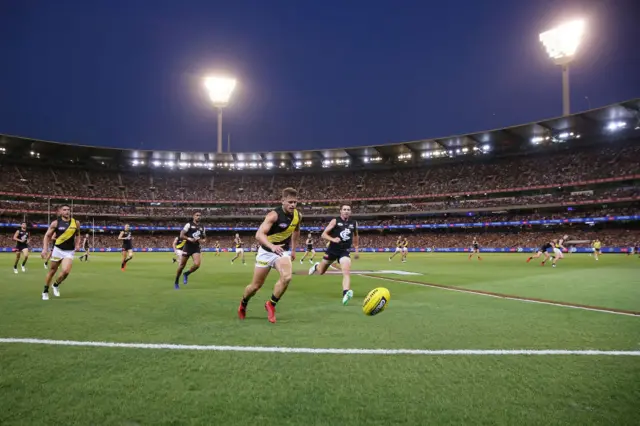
[477, 175]
[521, 237]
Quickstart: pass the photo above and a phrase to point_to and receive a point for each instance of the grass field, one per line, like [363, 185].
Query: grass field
[54, 384]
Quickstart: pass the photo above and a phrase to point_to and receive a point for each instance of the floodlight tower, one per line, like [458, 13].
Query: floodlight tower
[220, 89]
[561, 44]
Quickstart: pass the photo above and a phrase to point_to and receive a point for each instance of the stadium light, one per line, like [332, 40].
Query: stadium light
[220, 89]
[561, 44]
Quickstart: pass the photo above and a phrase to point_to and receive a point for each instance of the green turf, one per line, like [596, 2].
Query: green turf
[65, 385]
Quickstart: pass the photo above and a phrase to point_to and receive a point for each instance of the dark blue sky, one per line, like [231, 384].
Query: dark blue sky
[312, 74]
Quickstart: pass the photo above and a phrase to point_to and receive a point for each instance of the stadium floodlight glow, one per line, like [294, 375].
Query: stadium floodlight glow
[220, 90]
[268, 164]
[561, 44]
[298, 164]
[157, 163]
[465, 150]
[616, 125]
[537, 139]
[486, 147]
[308, 163]
[169, 163]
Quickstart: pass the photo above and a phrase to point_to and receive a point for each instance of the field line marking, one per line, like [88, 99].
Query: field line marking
[510, 297]
[318, 351]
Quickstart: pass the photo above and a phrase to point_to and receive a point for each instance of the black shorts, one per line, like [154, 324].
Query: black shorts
[336, 254]
[544, 249]
[20, 247]
[476, 247]
[127, 246]
[190, 249]
[309, 248]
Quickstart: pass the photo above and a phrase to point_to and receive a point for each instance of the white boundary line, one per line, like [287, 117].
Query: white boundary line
[518, 299]
[318, 351]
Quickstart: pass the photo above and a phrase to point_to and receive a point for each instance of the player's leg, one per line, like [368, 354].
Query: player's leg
[478, 253]
[345, 265]
[55, 263]
[15, 264]
[306, 252]
[181, 264]
[596, 253]
[319, 268]
[25, 255]
[313, 254]
[394, 254]
[236, 256]
[196, 258]
[65, 270]
[284, 267]
[260, 273]
[127, 255]
[46, 262]
[242, 254]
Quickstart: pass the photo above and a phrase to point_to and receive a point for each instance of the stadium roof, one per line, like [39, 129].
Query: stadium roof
[605, 122]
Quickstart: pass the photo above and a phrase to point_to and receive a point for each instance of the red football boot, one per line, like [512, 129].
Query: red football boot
[271, 312]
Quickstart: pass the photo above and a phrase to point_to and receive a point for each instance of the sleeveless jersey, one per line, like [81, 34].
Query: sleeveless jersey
[66, 232]
[127, 239]
[344, 229]
[238, 244]
[23, 236]
[193, 230]
[281, 231]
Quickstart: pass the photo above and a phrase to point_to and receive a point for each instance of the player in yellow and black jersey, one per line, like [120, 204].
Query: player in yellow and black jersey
[178, 247]
[239, 249]
[596, 245]
[398, 248]
[216, 247]
[67, 229]
[405, 249]
[278, 237]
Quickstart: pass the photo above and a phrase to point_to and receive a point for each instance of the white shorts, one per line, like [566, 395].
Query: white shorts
[558, 252]
[398, 249]
[179, 252]
[239, 250]
[59, 254]
[266, 259]
[405, 249]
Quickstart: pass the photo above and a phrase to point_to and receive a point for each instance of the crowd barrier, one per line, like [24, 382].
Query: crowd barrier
[364, 227]
[372, 250]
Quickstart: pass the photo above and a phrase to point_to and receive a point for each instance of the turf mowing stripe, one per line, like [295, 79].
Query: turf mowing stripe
[336, 351]
[510, 297]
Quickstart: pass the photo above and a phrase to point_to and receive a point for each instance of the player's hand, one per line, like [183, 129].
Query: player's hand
[336, 240]
[277, 249]
[356, 256]
[44, 254]
[293, 254]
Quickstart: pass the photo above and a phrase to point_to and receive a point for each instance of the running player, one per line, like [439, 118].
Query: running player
[21, 237]
[342, 233]
[65, 245]
[239, 250]
[558, 247]
[597, 245]
[127, 246]
[310, 249]
[398, 248]
[85, 248]
[194, 234]
[216, 247]
[178, 245]
[475, 249]
[278, 237]
[544, 250]
[405, 249]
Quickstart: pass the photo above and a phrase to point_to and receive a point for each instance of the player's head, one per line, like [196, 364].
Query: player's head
[87, 235]
[237, 235]
[126, 227]
[289, 199]
[345, 211]
[23, 226]
[64, 211]
[564, 237]
[196, 217]
[309, 234]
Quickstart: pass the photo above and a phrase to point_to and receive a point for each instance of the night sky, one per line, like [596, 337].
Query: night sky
[312, 74]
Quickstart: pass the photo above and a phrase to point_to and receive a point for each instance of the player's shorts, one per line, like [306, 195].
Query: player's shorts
[543, 249]
[190, 249]
[59, 254]
[558, 252]
[178, 252]
[127, 247]
[267, 259]
[309, 248]
[596, 250]
[333, 255]
[398, 249]
[239, 250]
[20, 247]
[476, 247]
[405, 249]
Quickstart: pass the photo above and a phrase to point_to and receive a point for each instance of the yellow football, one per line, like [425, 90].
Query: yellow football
[376, 301]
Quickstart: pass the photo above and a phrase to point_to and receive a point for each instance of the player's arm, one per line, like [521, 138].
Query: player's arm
[15, 236]
[183, 234]
[78, 234]
[261, 234]
[356, 240]
[47, 238]
[175, 240]
[121, 235]
[295, 237]
[329, 228]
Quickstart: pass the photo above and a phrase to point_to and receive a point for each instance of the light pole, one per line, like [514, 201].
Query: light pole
[561, 44]
[220, 89]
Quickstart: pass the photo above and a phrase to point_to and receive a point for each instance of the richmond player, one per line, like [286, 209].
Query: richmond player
[597, 245]
[178, 246]
[558, 248]
[342, 233]
[398, 248]
[193, 233]
[239, 250]
[278, 237]
[65, 244]
[21, 237]
[405, 249]
[309, 250]
[127, 246]
[216, 247]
